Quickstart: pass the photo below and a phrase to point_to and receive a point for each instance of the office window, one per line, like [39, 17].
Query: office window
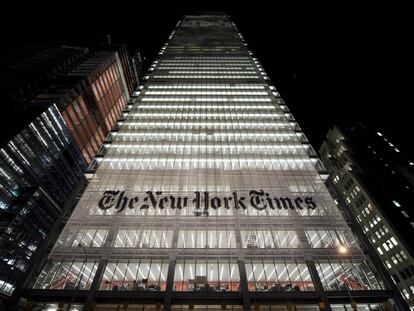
[206, 239]
[278, 275]
[269, 239]
[144, 238]
[206, 275]
[135, 275]
[330, 238]
[87, 237]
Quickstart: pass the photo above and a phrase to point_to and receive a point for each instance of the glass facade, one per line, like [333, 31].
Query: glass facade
[375, 195]
[91, 115]
[208, 186]
[123, 275]
[206, 275]
[84, 128]
[278, 275]
[40, 169]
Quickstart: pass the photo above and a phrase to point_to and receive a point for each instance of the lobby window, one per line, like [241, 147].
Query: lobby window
[206, 275]
[339, 275]
[278, 275]
[66, 275]
[135, 275]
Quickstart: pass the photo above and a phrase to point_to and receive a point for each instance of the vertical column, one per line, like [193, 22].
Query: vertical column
[95, 285]
[318, 284]
[243, 285]
[170, 285]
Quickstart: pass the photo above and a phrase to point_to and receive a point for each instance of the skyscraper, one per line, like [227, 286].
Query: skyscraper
[375, 181]
[209, 196]
[64, 101]
[41, 168]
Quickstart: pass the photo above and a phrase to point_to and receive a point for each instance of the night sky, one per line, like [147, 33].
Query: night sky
[331, 64]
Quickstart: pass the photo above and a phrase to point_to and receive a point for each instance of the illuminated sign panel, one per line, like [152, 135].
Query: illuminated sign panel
[258, 200]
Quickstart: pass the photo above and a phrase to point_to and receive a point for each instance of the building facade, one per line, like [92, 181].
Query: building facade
[90, 86]
[40, 169]
[91, 98]
[375, 180]
[208, 196]
[64, 101]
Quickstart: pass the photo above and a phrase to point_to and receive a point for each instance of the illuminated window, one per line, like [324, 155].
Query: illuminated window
[206, 239]
[144, 238]
[66, 275]
[275, 275]
[206, 275]
[135, 275]
[339, 275]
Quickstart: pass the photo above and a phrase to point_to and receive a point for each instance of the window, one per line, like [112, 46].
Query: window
[90, 238]
[66, 275]
[206, 275]
[330, 238]
[135, 275]
[269, 239]
[274, 275]
[206, 239]
[339, 275]
[388, 264]
[144, 238]
[396, 203]
[87, 237]
[405, 214]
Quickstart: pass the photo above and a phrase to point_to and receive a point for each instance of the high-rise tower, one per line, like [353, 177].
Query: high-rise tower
[375, 181]
[208, 196]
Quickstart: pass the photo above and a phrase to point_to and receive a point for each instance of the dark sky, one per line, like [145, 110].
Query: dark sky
[342, 63]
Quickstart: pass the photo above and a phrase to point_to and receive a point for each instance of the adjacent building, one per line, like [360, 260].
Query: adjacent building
[208, 196]
[40, 169]
[62, 102]
[90, 86]
[376, 182]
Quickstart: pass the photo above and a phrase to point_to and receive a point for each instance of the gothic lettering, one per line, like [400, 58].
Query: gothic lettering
[201, 202]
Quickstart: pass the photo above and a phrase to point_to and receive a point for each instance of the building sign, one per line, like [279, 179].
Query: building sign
[202, 202]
